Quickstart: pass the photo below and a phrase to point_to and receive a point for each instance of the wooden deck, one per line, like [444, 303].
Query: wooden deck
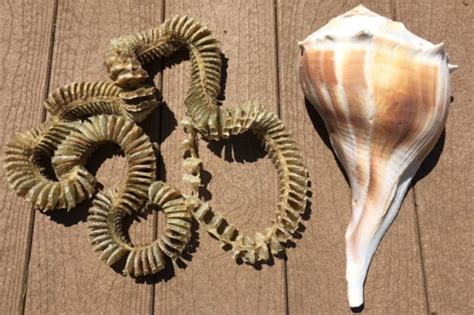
[424, 264]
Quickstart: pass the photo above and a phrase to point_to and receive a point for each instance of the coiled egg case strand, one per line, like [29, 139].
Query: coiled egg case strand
[79, 145]
[84, 115]
[292, 174]
[109, 236]
[125, 61]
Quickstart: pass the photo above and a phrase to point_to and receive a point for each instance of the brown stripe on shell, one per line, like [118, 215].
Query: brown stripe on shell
[329, 79]
[313, 67]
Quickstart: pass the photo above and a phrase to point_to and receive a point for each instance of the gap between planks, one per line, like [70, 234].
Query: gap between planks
[160, 173]
[278, 100]
[31, 223]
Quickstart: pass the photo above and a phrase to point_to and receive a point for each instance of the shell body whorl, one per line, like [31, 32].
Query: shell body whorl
[383, 94]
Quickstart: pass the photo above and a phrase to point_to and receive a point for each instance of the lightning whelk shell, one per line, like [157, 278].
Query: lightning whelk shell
[383, 94]
[79, 145]
[108, 233]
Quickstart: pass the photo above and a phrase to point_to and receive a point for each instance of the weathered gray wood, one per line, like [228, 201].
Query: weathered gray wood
[25, 37]
[316, 267]
[444, 198]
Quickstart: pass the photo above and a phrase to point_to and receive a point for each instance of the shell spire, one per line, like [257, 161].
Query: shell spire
[383, 94]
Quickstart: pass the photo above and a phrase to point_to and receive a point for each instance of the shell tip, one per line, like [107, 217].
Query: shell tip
[358, 309]
[361, 7]
[452, 68]
[301, 45]
[437, 49]
[355, 294]
[359, 10]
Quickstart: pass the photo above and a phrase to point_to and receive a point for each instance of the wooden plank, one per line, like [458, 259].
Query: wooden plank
[245, 190]
[65, 275]
[25, 37]
[444, 198]
[316, 267]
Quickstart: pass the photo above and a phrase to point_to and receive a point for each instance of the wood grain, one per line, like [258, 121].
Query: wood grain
[316, 267]
[445, 196]
[65, 275]
[25, 37]
[243, 182]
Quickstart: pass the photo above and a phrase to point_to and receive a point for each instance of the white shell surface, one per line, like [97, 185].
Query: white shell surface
[383, 94]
